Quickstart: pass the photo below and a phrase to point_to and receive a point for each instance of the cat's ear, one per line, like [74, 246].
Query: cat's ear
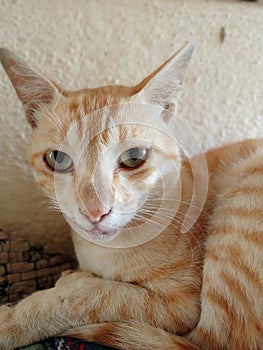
[32, 88]
[161, 87]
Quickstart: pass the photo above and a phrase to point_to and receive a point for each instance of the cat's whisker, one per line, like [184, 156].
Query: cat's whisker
[181, 201]
[160, 210]
[169, 229]
[148, 220]
[173, 221]
[164, 211]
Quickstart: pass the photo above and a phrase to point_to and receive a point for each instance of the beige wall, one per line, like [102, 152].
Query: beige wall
[88, 43]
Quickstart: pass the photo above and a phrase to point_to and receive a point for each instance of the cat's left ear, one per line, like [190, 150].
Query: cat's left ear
[161, 87]
[34, 90]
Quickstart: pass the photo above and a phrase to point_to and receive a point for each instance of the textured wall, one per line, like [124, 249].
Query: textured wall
[91, 42]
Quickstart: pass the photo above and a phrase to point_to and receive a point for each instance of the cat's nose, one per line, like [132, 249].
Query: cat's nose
[95, 215]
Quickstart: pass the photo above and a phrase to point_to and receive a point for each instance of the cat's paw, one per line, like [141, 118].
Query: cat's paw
[7, 334]
[71, 276]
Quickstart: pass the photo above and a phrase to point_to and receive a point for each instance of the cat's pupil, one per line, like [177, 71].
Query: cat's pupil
[134, 153]
[59, 156]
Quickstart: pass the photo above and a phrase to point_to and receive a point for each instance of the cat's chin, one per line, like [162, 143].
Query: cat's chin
[95, 235]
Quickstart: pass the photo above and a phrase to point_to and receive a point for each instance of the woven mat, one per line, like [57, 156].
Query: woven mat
[25, 268]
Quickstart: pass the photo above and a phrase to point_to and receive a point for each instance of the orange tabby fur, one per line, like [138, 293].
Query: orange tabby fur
[202, 289]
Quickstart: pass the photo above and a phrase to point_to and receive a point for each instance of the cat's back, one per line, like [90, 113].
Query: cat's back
[222, 159]
[232, 292]
[236, 184]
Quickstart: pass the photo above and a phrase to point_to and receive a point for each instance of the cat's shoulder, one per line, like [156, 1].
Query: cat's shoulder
[235, 167]
[233, 154]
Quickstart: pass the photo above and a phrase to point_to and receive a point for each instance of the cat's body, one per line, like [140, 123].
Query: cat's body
[145, 283]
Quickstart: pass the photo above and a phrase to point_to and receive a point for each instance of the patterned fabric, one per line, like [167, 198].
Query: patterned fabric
[74, 344]
[46, 345]
[66, 344]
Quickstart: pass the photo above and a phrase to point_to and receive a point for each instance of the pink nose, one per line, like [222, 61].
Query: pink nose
[95, 215]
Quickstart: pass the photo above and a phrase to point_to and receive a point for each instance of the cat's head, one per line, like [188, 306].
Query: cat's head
[106, 156]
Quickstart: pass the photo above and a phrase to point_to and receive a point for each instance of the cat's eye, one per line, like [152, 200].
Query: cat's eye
[133, 158]
[59, 161]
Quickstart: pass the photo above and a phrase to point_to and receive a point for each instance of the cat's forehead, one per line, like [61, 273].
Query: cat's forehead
[94, 121]
[91, 107]
[106, 127]
[91, 111]
[87, 101]
[74, 108]
[97, 114]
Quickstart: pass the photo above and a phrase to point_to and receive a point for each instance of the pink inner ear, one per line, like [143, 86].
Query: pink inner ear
[30, 110]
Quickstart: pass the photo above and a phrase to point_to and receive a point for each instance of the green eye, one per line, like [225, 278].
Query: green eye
[133, 157]
[59, 161]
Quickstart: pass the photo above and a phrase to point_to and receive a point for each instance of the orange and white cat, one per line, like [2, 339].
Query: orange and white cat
[170, 249]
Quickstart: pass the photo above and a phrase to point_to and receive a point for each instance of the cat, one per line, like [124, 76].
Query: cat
[170, 248]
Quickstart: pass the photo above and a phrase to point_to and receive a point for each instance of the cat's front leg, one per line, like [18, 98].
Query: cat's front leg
[79, 299]
[70, 276]
[6, 313]
[47, 313]
[19, 324]
[50, 312]
[34, 318]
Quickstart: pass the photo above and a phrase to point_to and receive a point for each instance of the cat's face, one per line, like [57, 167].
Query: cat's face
[106, 157]
[110, 164]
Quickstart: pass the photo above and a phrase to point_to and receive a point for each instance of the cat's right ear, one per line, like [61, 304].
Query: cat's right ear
[32, 88]
[161, 87]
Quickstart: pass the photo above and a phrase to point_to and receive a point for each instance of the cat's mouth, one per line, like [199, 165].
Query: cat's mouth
[96, 235]
[104, 233]
[93, 234]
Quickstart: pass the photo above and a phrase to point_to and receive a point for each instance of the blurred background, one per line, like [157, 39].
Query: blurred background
[87, 43]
